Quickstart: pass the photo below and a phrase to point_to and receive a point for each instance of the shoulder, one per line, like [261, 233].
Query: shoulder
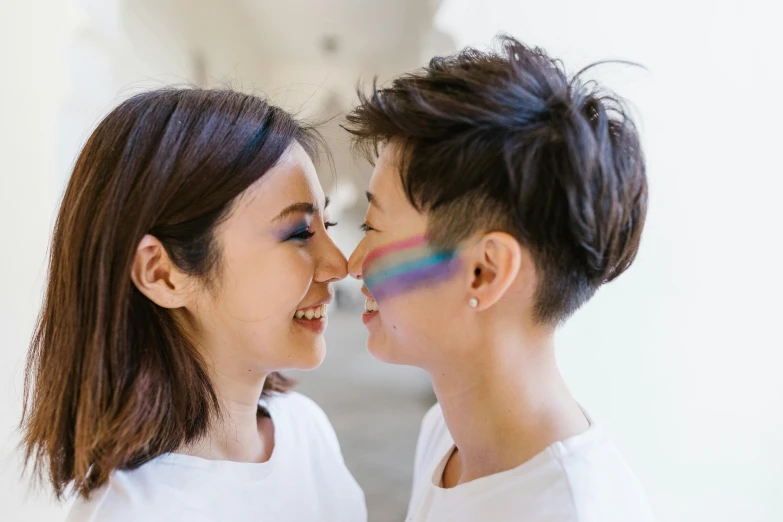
[300, 406]
[114, 502]
[90, 509]
[601, 484]
[302, 412]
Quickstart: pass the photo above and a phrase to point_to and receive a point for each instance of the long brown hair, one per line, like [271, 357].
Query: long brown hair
[112, 379]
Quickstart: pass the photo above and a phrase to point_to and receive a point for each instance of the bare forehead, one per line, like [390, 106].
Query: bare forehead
[294, 163]
[293, 178]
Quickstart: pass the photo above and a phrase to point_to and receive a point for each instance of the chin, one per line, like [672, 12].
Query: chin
[311, 358]
[385, 352]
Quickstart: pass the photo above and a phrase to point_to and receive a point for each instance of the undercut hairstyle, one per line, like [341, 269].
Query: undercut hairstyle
[504, 140]
[113, 380]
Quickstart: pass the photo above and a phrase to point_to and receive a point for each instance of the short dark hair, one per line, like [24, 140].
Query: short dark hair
[504, 140]
[114, 380]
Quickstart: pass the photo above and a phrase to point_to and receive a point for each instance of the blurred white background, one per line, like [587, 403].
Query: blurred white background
[680, 359]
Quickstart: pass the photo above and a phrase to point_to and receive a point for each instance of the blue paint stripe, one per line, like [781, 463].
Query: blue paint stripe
[434, 259]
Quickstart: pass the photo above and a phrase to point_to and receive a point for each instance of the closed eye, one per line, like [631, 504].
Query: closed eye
[304, 235]
[365, 227]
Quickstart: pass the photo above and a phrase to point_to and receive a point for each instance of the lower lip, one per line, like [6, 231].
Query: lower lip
[314, 325]
[369, 316]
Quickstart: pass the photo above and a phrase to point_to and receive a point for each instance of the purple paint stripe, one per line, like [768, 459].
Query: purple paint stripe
[417, 278]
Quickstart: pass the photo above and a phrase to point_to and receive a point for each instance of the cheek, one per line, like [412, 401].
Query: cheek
[254, 290]
[407, 266]
[418, 324]
[409, 320]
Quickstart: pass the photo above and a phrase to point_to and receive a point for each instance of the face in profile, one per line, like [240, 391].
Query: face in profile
[415, 299]
[266, 309]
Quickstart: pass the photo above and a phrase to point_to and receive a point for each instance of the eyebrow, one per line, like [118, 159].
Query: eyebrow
[302, 207]
[373, 200]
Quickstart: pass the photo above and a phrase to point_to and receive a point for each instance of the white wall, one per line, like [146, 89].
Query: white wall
[29, 95]
[681, 357]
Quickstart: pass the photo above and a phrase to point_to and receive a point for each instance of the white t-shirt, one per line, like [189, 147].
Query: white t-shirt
[580, 479]
[305, 480]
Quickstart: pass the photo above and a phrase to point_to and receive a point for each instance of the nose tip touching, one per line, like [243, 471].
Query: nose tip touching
[332, 266]
[356, 260]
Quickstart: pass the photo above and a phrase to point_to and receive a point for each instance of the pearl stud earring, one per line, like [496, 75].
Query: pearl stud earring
[473, 302]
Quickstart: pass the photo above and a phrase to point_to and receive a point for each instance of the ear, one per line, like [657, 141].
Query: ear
[155, 275]
[496, 260]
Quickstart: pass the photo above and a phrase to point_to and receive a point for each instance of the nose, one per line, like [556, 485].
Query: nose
[356, 260]
[332, 265]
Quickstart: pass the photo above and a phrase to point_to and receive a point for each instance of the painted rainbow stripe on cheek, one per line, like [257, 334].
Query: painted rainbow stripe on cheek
[405, 265]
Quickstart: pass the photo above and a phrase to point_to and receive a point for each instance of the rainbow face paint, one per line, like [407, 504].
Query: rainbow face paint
[405, 265]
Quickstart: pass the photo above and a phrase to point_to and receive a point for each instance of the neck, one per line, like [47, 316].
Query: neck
[239, 434]
[507, 405]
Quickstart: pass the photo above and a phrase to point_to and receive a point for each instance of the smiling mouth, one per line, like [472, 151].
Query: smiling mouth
[370, 306]
[311, 314]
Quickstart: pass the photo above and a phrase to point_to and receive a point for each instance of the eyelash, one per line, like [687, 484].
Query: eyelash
[365, 227]
[304, 235]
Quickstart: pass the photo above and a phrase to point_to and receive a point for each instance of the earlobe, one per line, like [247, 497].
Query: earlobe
[155, 276]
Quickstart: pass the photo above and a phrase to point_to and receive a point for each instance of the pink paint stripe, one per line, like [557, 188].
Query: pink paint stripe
[391, 247]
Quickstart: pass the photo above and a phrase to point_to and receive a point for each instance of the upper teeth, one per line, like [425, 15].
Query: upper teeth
[311, 313]
[370, 305]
